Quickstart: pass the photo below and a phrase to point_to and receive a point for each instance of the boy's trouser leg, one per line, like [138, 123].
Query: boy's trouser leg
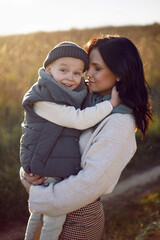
[52, 227]
[34, 226]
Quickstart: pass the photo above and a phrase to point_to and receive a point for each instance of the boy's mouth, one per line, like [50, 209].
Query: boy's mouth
[67, 85]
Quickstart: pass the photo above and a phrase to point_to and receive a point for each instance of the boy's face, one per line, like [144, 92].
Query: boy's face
[66, 71]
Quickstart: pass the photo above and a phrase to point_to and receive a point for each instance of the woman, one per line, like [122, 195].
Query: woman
[107, 148]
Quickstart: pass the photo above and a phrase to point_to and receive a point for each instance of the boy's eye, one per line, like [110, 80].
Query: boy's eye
[63, 70]
[77, 73]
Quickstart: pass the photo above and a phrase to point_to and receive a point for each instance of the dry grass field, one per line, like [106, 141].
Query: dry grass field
[20, 58]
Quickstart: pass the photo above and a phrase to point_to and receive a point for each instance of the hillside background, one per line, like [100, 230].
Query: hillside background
[20, 58]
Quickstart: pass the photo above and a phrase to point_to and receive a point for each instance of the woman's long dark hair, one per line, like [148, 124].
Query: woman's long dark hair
[122, 58]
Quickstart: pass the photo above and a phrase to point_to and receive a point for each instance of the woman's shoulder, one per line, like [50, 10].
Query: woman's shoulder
[121, 119]
[119, 123]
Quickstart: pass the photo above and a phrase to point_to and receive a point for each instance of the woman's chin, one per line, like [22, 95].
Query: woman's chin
[92, 89]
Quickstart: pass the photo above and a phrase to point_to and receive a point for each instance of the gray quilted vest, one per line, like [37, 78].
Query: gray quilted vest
[48, 149]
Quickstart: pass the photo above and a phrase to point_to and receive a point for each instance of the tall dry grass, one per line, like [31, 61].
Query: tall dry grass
[20, 58]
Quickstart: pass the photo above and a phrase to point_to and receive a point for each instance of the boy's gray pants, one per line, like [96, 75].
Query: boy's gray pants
[44, 227]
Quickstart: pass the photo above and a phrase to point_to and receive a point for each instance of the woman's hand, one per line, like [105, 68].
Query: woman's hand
[115, 99]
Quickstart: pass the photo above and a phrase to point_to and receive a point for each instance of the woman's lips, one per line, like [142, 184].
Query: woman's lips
[91, 82]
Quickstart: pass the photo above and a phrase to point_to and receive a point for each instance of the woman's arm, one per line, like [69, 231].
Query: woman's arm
[107, 156]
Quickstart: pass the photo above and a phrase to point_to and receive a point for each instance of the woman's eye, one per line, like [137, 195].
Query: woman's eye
[97, 69]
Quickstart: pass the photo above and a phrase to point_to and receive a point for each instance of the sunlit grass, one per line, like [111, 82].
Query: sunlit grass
[128, 216]
[151, 232]
[20, 58]
[154, 126]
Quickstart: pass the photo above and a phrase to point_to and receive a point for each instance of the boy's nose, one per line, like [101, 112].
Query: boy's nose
[70, 76]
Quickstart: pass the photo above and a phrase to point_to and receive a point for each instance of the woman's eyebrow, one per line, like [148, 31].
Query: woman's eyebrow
[96, 64]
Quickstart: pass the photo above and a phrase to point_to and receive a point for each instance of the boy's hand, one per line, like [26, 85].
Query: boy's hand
[115, 99]
[26, 184]
[34, 179]
[29, 179]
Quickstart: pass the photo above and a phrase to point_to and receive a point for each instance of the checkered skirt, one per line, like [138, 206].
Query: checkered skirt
[87, 223]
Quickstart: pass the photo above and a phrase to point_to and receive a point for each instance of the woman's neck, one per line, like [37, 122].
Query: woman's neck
[103, 93]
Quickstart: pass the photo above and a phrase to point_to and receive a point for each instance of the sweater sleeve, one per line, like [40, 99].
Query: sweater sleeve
[70, 117]
[107, 156]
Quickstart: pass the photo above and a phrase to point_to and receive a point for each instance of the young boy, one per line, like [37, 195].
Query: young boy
[48, 149]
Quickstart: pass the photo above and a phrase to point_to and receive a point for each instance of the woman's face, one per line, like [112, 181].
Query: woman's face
[100, 78]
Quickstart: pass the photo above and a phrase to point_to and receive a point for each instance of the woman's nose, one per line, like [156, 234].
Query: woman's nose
[89, 73]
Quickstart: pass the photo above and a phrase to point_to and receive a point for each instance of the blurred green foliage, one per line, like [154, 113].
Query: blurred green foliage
[20, 58]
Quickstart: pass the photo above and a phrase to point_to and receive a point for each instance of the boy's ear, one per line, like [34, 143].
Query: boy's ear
[48, 70]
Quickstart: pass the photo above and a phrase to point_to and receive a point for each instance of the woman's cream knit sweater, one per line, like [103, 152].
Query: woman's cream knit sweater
[105, 153]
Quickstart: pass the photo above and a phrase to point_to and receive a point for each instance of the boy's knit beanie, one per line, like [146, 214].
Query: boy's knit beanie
[67, 49]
